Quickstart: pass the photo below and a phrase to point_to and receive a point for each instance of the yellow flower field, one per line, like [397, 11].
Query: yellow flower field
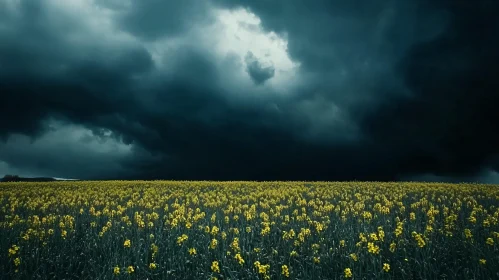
[248, 230]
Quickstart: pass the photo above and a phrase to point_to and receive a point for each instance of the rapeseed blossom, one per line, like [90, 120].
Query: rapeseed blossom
[127, 243]
[348, 273]
[285, 271]
[179, 224]
[215, 267]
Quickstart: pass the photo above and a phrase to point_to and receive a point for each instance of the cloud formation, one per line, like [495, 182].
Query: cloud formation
[296, 90]
[258, 73]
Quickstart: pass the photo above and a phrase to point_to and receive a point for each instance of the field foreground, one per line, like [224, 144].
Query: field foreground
[248, 230]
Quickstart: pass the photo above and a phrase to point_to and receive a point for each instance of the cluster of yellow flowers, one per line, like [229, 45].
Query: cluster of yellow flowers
[419, 239]
[127, 243]
[263, 269]
[160, 228]
[181, 239]
[239, 259]
[215, 267]
[348, 273]
[285, 270]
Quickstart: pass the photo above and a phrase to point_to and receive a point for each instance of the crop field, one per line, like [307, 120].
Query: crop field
[248, 230]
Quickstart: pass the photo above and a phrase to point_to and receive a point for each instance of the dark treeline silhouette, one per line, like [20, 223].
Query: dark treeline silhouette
[16, 178]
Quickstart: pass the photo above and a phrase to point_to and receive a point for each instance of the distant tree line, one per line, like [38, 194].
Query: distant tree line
[11, 178]
[16, 178]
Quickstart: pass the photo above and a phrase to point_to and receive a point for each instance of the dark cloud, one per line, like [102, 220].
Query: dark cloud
[448, 125]
[44, 74]
[425, 67]
[152, 19]
[258, 73]
[386, 90]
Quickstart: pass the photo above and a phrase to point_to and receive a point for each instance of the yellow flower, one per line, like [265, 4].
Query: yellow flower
[490, 241]
[293, 253]
[467, 233]
[127, 243]
[214, 230]
[152, 266]
[354, 257]
[181, 239]
[342, 243]
[393, 246]
[235, 244]
[373, 249]
[483, 261]
[130, 269]
[192, 251]
[285, 270]
[399, 229]
[13, 250]
[317, 260]
[386, 267]
[116, 270]
[265, 231]
[262, 269]
[419, 238]
[348, 273]
[154, 249]
[214, 267]
[429, 228]
[239, 259]
[381, 234]
[213, 243]
[17, 261]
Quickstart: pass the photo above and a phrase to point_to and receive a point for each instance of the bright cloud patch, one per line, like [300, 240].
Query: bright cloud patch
[240, 32]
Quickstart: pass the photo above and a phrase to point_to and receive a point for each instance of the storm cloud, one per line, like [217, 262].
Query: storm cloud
[258, 73]
[250, 90]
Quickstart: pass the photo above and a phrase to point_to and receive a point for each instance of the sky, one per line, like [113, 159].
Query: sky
[378, 90]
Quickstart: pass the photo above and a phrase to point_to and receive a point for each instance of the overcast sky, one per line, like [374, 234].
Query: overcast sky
[250, 89]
